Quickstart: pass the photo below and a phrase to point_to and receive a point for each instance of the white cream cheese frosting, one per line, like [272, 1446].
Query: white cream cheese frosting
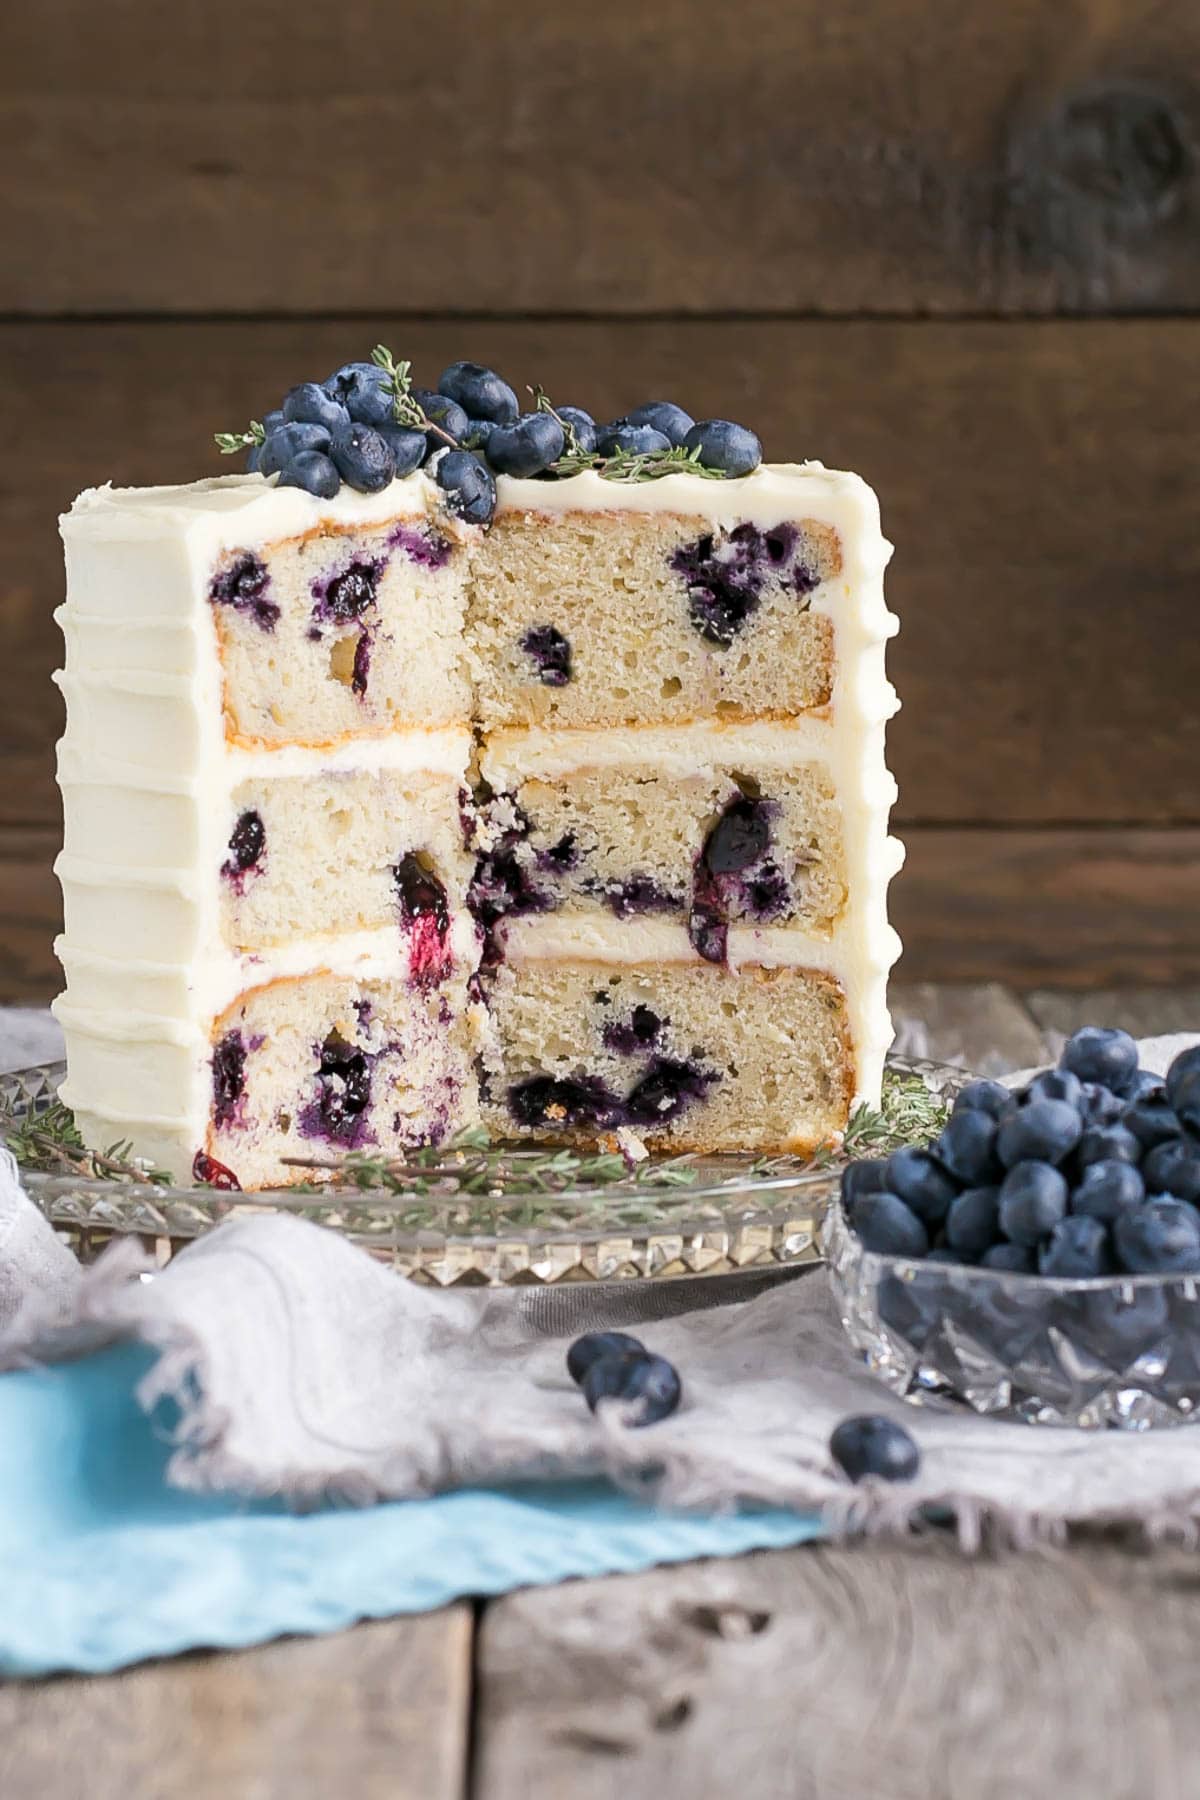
[147, 774]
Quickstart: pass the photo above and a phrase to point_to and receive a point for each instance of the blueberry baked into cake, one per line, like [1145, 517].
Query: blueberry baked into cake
[453, 766]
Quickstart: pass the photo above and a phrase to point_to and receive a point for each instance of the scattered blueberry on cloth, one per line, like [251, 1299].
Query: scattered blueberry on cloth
[165, 1443]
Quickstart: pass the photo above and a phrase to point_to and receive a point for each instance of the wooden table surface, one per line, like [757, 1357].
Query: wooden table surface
[867, 1672]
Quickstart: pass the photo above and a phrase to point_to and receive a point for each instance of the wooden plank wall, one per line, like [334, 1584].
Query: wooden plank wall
[952, 246]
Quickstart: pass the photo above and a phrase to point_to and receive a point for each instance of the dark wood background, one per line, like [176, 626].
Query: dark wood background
[953, 246]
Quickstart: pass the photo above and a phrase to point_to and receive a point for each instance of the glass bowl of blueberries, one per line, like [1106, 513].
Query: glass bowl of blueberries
[1039, 1260]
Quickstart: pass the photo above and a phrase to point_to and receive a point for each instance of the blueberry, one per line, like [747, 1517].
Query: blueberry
[1039, 1131]
[312, 472]
[421, 893]
[637, 440]
[868, 1444]
[584, 1351]
[634, 1375]
[1122, 1327]
[867, 1176]
[1099, 1053]
[480, 392]
[1146, 1085]
[967, 1147]
[1160, 1238]
[309, 404]
[1107, 1143]
[1173, 1168]
[247, 843]
[725, 446]
[989, 1097]
[253, 459]
[1185, 1098]
[1187, 1063]
[1099, 1105]
[1033, 1198]
[922, 1183]
[1077, 1249]
[1057, 1084]
[550, 653]
[272, 421]
[444, 412]
[887, 1227]
[362, 388]
[288, 442]
[899, 1304]
[1106, 1189]
[478, 434]
[1015, 1259]
[1152, 1120]
[739, 838]
[664, 416]
[408, 447]
[945, 1254]
[469, 487]
[526, 448]
[972, 1223]
[664, 1091]
[363, 457]
[583, 425]
[228, 1077]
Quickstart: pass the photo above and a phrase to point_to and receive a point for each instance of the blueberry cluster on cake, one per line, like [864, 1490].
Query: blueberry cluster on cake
[453, 766]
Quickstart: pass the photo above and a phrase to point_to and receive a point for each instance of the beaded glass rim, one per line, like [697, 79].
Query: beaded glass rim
[740, 1212]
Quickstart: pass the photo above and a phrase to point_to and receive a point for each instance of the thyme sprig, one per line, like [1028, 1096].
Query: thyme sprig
[619, 465]
[49, 1142]
[230, 442]
[472, 1164]
[406, 408]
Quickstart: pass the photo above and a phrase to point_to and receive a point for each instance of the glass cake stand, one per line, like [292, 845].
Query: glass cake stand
[461, 1224]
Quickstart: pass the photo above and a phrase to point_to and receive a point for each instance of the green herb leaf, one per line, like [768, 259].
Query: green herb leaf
[230, 442]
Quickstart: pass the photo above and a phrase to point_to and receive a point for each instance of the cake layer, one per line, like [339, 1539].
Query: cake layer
[687, 1057]
[730, 840]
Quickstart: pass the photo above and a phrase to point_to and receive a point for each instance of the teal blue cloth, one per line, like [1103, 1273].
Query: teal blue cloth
[102, 1564]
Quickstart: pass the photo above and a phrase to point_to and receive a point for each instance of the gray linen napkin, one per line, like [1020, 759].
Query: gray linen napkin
[301, 1367]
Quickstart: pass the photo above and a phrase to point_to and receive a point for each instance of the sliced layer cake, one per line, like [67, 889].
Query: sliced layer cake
[382, 821]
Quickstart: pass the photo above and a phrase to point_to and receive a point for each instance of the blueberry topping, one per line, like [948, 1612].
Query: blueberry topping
[285, 444]
[363, 390]
[593, 1344]
[663, 1093]
[526, 448]
[983, 1096]
[1099, 1105]
[1106, 1189]
[272, 421]
[583, 425]
[348, 595]
[634, 1375]
[1152, 1120]
[738, 839]
[636, 440]
[243, 584]
[480, 392]
[972, 1223]
[869, 1444]
[1057, 1084]
[550, 653]
[1076, 1249]
[722, 445]
[310, 404]
[1039, 1131]
[421, 894]
[469, 487]
[443, 411]
[1033, 1198]
[1098, 1053]
[208, 1172]
[922, 1182]
[639, 1032]
[312, 472]
[967, 1147]
[478, 434]
[663, 416]
[1185, 1065]
[363, 457]
[1107, 1143]
[888, 1227]
[408, 447]
[228, 1077]
[1161, 1237]
[1173, 1168]
[246, 844]
[866, 1176]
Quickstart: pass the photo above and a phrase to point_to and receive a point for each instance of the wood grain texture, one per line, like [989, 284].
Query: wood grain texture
[1067, 908]
[897, 156]
[379, 1713]
[834, 1674]
[1038, 481]
[978, 1025]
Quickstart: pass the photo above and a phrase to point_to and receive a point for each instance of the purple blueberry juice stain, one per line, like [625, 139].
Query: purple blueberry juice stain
[242, 584]
[640, 894]
[247, 847]
[423, 547]
[229, 1079]
[730, 872]
[630, 1037]
[340, 1111]
[766, 893]
[343, 597]
[725, 576]
[665, 1089]
[503, 886]
[561, 857]
[362, 664]
[550, 653]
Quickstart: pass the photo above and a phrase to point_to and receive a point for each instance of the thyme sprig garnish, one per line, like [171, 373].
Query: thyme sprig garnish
[619, 465]
[230, 442]
[49, 1142]
[472, 1164]
[406, 408]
